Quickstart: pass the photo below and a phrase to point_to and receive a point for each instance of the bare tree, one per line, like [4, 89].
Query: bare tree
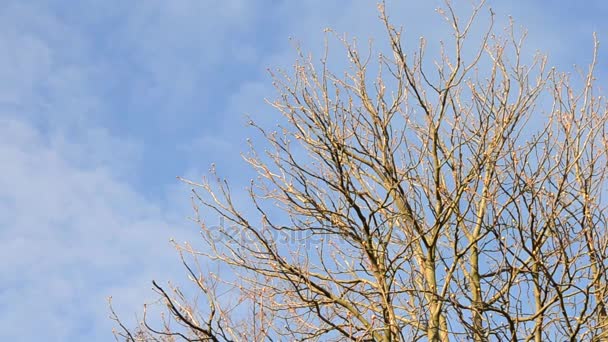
[458, 201]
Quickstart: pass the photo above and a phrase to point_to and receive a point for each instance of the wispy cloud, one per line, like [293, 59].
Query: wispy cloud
[70, 233]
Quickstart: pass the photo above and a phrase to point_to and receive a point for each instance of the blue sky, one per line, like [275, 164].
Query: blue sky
[103, 104]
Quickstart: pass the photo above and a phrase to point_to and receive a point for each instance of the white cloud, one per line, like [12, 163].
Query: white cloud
[72, 229]
[71, 236]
